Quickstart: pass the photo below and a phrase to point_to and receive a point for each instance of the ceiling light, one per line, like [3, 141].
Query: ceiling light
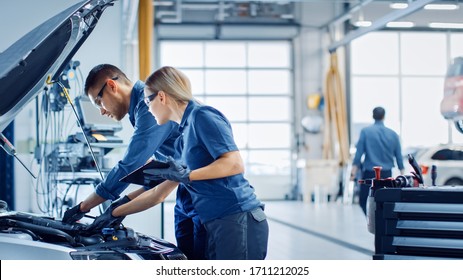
[163, 3]
[398, 5]
[287, 16]
[446, 25]
[441, 7]
[362, 23]
[400, 24]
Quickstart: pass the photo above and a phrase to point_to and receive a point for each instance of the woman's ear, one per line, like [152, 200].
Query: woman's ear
[162, 97]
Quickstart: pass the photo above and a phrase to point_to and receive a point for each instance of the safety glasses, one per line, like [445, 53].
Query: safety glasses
[150, 98]
[99, 96]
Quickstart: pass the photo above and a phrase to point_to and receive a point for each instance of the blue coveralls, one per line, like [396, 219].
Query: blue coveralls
[232, 215]
[149, 138]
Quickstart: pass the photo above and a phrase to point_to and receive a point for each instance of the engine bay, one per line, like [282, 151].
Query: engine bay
[109, 243]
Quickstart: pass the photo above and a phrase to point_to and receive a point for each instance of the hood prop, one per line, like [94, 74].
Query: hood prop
[11, 150]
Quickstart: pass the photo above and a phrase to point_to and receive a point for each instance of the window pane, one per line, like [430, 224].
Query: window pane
[234, 108]
[225, 54]
[376, 53]
[251, 84]
[445, 154]
[423, 54]
[225, 81]
[456, 45]
[182, 54]
[269, 135]
[368, 93]
[269, 162]
[269, 108]
[422, 123]
[196, 79]
[200, 98]
[269, 54]
[269, 82]
[240, 134]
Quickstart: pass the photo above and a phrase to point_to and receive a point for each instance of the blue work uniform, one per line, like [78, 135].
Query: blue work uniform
[236, 225]
[190, 233]
[148, 138]
[380, 145]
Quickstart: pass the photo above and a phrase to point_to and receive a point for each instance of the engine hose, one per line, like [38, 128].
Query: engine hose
[41, 229]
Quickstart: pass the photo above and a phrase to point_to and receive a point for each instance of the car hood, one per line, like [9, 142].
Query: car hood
[42, 54]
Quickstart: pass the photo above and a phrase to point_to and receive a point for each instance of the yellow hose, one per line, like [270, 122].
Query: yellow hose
[336, 142]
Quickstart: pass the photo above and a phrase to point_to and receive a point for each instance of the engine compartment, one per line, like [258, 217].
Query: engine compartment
[109, 243]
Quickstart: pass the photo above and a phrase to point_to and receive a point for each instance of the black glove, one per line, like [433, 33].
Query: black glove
[73, 214]
[107, 219]
[120, 201]
[175, 172]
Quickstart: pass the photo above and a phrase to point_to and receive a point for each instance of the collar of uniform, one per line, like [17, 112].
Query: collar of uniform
[379, 123]
[137, 89]
[191, 105]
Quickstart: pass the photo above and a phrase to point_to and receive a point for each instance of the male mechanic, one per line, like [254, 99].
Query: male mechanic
[380, 145]
[109, 89]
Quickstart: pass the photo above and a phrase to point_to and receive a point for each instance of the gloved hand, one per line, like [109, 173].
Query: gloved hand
[120, 201]
[107, 219]
[175, 172]
[73, 214]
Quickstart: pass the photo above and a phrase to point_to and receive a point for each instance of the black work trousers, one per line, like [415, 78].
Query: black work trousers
[364, 189]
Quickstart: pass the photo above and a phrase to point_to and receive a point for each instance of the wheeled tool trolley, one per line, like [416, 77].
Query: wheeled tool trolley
[419, 223]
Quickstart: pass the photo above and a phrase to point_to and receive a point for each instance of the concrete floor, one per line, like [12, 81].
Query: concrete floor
[308, 231]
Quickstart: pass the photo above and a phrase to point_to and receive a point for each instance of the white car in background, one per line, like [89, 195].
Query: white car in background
[448, 160]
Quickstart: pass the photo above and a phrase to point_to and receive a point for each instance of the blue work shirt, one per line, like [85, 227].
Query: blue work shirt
[206, 135]
[148, 138]
[380, 145]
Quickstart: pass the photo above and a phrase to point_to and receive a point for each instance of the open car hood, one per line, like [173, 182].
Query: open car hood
[42, 55]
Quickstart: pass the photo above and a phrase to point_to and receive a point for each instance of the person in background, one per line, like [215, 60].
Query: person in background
[380, 145]
[109, 89]
[208, 162]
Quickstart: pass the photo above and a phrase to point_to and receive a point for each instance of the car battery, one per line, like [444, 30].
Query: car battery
[419, 223]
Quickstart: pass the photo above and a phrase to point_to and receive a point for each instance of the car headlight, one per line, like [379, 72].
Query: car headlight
[98, 255]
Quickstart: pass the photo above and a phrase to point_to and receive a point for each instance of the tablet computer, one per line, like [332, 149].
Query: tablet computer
[138, 177]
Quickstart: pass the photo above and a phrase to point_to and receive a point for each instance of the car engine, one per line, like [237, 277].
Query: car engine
[33, 231]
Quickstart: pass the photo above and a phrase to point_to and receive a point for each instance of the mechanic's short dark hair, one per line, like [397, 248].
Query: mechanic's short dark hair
[378, 113]
[102, 72]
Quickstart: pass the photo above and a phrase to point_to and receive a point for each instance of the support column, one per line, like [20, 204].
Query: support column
[145, 37]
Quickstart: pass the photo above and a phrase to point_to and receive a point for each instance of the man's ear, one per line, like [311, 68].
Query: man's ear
[112, 85]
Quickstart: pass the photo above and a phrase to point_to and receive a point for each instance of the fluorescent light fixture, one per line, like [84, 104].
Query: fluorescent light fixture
[441, 7]
[400, 24]
[287, 16]
[398, 6]
[362, 23]
[163, 3]
[446, 25]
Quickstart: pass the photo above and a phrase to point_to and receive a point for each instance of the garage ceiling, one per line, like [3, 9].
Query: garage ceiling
[312, 13]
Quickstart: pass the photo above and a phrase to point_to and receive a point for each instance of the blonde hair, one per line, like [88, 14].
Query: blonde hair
[172, 81]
